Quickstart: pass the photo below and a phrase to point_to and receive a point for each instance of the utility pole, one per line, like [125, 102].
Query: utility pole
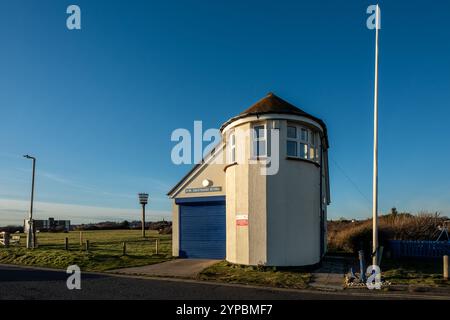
[31, 235]
[143, 200]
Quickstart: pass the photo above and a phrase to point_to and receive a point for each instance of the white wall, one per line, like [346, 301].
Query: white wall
[283, 210]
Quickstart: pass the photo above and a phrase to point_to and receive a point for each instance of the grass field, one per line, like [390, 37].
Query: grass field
[427, 272]
[105, 250]
[231, 273]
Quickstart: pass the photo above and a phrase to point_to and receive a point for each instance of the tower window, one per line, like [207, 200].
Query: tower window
[232, 148]
[292, 141]
[259, 141]
[301, 142]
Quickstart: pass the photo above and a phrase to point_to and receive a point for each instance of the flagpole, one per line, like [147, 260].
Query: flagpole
[375, 149]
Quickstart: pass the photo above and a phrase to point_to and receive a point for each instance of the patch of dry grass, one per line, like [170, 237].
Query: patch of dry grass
[347, 236]
[256, 275]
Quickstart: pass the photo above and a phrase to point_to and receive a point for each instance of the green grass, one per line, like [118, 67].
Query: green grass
[420, 272]
[414, 272]
[105, 251]
[265, 276]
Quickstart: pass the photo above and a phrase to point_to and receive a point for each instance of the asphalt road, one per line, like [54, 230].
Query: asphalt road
[32, 284]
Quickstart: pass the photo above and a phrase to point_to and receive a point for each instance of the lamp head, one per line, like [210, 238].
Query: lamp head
[143, 198]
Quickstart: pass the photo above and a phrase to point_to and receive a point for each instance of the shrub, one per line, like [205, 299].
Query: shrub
[346, 236]
[12, 229]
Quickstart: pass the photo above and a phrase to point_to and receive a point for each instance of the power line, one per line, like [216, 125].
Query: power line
[351, 181]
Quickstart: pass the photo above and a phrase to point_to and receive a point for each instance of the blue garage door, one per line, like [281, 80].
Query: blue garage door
[202, 227]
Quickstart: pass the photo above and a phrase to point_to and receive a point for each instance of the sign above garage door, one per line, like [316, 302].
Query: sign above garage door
[207, 189]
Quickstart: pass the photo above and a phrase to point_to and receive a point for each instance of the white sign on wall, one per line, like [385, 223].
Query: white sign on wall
[242, 220]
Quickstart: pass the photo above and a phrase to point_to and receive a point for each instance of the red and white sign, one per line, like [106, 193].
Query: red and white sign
[242, 220]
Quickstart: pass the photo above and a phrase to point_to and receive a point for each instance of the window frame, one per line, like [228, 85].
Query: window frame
[232, 154]
[292, 139]
[307, 143]
[256, 140]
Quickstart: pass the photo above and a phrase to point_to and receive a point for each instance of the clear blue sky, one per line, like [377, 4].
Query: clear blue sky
[97, 106]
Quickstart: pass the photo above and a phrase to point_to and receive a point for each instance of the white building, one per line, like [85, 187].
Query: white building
[237, 210]
[48, 225]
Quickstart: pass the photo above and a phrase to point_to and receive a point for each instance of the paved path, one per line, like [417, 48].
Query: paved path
[32, 283]
[330, 276]
[182, 268]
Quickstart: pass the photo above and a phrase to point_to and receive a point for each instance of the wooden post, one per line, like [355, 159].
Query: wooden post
[124, 248]
[156, 245]
[446, 267]
[67, 244]
[81, 238]
[87, 245]
[143, 221]
[6, 238]
[362, 267]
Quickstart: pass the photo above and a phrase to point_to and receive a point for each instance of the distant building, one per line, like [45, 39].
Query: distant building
[48, 225]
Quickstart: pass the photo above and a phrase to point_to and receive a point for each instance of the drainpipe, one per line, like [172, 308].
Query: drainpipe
[322, 227]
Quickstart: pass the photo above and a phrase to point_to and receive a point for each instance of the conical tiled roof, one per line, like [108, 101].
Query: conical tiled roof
[275, 105]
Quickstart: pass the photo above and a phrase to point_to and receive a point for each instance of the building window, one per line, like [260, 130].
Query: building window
[259, 141]
[233, 148]
[301, 143]
[313, 146]
[292, 148]
[303, 150]
[292, 141]
[292, 132]
[304, 135]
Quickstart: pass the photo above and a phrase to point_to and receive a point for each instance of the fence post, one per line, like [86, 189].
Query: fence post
[81, 238]
[66, 244]
[124, 248]
[6, 238]
[362, 274]
[87, 245]
[446, 267]
[156, 245]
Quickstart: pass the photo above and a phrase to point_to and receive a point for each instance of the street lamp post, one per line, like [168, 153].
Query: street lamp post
[143, 199]
[31, 236]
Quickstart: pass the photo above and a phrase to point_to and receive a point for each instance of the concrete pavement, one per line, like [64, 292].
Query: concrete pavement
[330, 276]
[181, 268]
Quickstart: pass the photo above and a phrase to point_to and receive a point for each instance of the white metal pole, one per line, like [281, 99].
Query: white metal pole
[375, 147]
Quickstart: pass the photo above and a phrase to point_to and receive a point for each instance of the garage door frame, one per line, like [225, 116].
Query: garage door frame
[197, 200]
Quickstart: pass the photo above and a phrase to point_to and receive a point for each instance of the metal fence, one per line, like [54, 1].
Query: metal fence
[419, 249]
